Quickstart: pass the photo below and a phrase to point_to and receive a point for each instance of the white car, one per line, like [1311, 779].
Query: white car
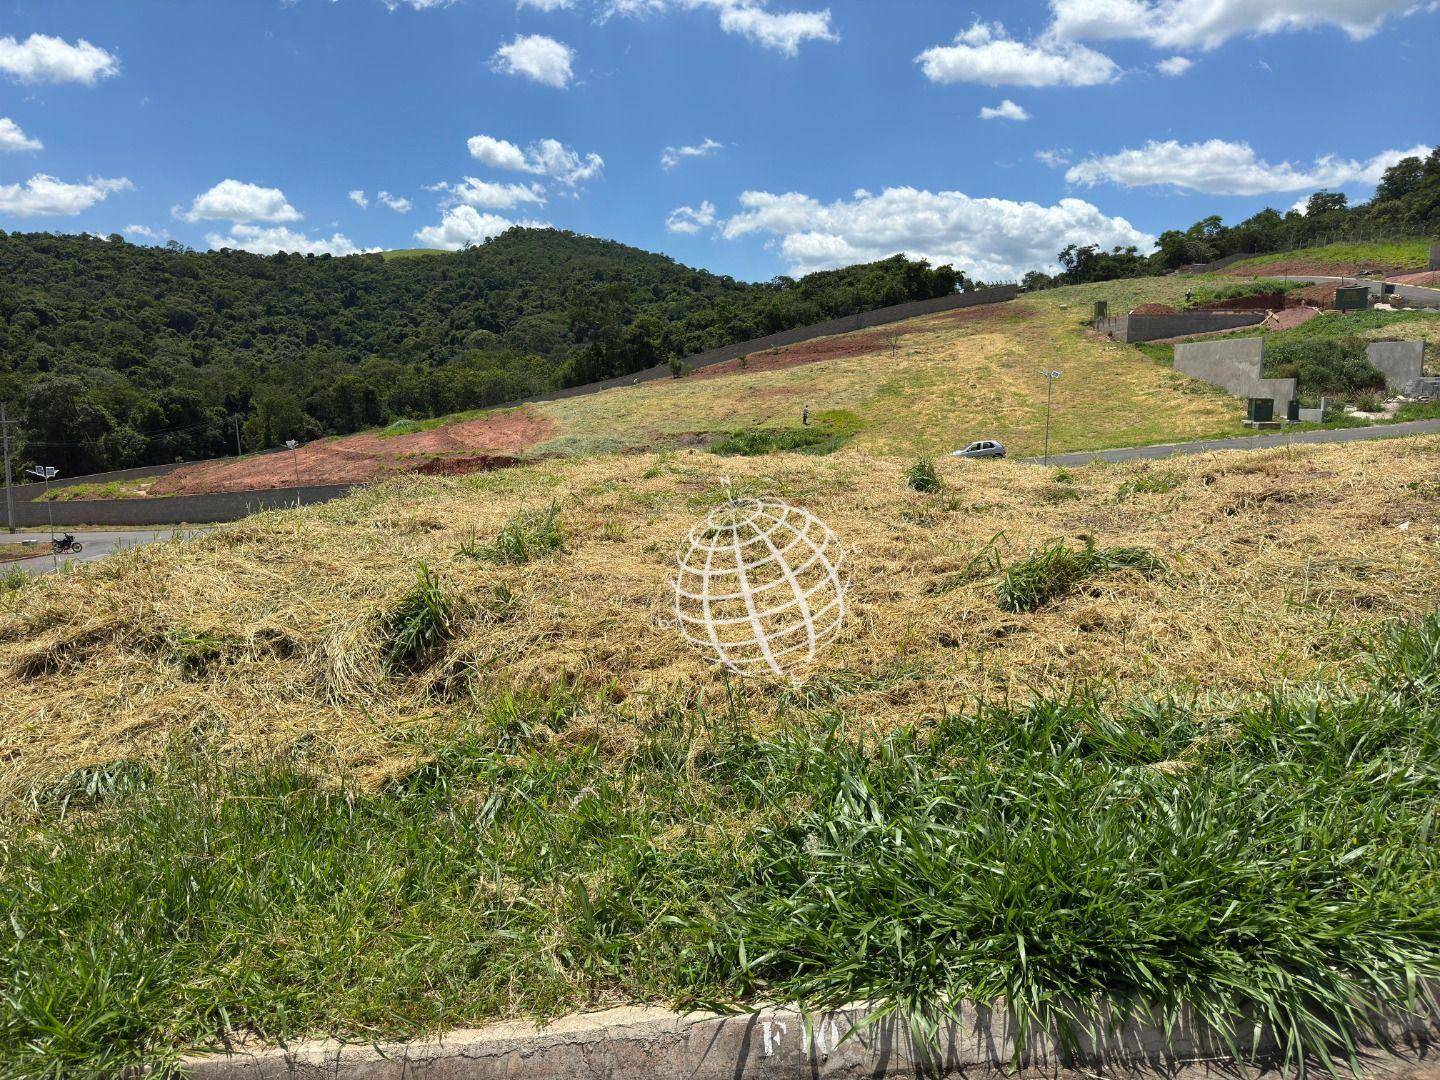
[983, 448]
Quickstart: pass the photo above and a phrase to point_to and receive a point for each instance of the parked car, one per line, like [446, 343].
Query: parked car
[983, 448]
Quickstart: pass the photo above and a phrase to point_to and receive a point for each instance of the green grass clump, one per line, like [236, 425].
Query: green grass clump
[1273, 861]
[529, 535]
[419, 625]
[829, 432]
[1056, 570]
[1158, 482]
[921, 476]
[1336, 366]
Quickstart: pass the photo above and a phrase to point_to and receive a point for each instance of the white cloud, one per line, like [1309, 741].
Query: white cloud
[990, 238]
[418, 5]
[12, 138]
[43, 59]
[783, 31]
[1218, 167]
[546, 157]
[234, 200]
[1208, 24]
[689, 220]
[673, 155]
[47, 196]
[487, 195]
[1175, 65]
[464, 225]
[986, 54]
[1053, 158]
[395, 202]
[271, 239]
[146, 233]
[1006, 110]
[546, 5]
[538, 58]
[359, 198]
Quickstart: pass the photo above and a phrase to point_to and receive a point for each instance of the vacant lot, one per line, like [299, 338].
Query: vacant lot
[433, 755]
[1343, 258]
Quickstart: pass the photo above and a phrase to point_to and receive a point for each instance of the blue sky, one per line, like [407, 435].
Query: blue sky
[801, 135]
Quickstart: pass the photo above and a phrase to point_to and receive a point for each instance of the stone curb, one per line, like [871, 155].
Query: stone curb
[636, 1043]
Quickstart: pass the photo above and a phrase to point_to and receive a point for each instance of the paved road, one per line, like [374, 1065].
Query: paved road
[1247, 442]
[1419, 294]
[94, 545]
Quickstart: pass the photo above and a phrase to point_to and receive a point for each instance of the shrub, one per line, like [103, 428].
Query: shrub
[528, 535]
[678, 368]
[830, 431]
[922, 476]
[1055, 571]
[1323, 366]
[420, 624]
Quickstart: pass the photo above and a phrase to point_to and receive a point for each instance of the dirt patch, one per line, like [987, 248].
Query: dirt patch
[1322, 267]
[1428, 278]
[1290, 317]
[1321, 296]
[450, 450]
[1154, 309]
[1258, 302]
[861, 344]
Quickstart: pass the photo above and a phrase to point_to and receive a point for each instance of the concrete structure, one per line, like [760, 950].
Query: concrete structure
[1427, 387]
[1236, 366]
[1133, 328]
[646, 1043]
[173, 510]
[1434, 257]
[1401, 362]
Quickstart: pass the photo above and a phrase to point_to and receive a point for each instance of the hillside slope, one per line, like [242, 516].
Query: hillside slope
[271, 633]
[119, 355]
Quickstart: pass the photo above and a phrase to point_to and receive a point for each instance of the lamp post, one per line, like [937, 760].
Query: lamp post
[295, 458]
[47, 473]
[1050, 377]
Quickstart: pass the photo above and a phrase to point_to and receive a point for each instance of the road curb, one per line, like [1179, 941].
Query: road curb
[636, 1043]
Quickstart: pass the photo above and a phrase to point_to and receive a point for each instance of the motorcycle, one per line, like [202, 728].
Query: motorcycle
[65, 544]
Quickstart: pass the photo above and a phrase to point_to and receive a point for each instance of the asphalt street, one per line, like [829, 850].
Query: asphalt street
[94, 544]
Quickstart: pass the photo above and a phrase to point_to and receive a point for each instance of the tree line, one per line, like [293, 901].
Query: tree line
[117, 355]
[1406, 203]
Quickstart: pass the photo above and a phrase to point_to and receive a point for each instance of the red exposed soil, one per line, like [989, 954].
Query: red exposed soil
[861, 344]
[1259, 302]
[1290, 318]
[450, 450]
[1430, 278]
[1322, 296]
[1154, 309]
[1281, 267]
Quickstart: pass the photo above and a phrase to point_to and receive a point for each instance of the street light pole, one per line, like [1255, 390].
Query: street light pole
[47, 473]
[295, 458]
[1050, 377]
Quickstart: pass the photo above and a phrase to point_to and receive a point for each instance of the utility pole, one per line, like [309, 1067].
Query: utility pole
[1050, 377]
[5, 423]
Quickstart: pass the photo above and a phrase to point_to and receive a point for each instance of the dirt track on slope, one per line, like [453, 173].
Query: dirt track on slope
[450, 450]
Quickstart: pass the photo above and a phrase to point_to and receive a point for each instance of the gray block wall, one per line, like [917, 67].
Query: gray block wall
[1434, 257]
[1236, 366]
[1134, 328]
[1401, 362]
[175, 510]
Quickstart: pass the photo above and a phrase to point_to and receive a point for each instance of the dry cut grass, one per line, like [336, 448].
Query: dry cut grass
[272, 633]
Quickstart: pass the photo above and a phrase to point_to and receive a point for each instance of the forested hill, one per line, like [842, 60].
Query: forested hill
[120, 355]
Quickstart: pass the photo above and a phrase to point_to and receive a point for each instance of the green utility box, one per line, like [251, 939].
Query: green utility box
[1262, 410]
[1352, 298]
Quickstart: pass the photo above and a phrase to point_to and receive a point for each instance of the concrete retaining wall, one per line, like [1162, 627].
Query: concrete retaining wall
[1133, 328]
[176, 510]
[1434, 257]
[645, 1043]
[1401, 362]
[1236, 366]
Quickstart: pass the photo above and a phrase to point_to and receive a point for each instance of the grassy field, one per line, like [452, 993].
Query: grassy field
[432, 755]
[946, 384]
[1343, 258]
[114, 489]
